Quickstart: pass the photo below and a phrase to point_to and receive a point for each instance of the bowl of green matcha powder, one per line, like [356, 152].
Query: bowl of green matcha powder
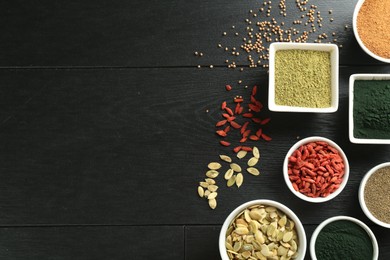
[343, 237]
[303, 77]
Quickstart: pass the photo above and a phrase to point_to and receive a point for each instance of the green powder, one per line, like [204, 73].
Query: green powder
[371, 109]
[343, 240]
[303, 78]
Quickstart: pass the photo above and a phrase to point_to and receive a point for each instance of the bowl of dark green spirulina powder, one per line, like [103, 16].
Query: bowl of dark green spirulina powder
[369, 108]
[341, 238]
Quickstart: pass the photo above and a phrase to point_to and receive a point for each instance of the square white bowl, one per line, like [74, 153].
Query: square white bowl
[334, 59]
[352, 79]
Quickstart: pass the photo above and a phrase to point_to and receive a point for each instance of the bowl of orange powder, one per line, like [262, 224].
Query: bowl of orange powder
[371, 28]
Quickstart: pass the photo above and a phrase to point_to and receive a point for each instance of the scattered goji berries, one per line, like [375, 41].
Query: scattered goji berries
[244, 115]
[316, 169]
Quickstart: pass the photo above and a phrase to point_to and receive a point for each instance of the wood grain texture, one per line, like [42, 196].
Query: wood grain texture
[91, 146]
[148, 34]
[92, 242]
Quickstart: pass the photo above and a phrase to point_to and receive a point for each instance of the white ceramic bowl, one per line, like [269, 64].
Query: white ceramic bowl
[361, 195]
[289, 183]
[334, 56]
[290, 214]
[352, 79]
[359, 40]
[336, 218]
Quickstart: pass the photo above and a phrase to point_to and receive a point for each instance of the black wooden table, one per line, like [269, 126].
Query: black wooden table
[107, 126]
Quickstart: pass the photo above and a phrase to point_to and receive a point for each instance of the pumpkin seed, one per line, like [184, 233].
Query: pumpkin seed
[252, 161]
[200, 191]
[212, 174]
[210, 181]
[228, 174]
[212, 188]
[213, 203]
[253, 171]
[231, 181]
[214, 166]
[225, 158]
[206, 193]
[203, 184]
[235, 167]
[256, 152]
[212, 195]
[239, 179]
[241, 154]
[287, 236]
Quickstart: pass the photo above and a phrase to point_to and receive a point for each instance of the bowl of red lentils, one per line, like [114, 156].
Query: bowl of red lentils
[316, 169]
[374, 194]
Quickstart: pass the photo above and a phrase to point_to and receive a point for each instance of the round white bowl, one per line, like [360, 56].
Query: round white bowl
[289, 183]
[361, 195]
[298, 225]
[359, 40]
[336, 218]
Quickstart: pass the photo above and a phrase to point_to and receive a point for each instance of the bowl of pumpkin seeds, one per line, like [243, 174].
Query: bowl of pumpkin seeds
[262, 229]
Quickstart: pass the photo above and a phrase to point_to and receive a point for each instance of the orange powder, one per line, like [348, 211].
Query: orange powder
[373, 25]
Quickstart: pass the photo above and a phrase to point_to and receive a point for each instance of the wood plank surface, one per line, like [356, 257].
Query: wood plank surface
[92, 242]
[91, 146]
[107, 126]
[149, 33]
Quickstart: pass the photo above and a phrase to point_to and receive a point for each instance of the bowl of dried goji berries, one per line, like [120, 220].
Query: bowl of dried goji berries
[316, 169]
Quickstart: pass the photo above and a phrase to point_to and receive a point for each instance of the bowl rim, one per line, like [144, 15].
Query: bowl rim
[314, 236]
[352, 79]
[362, 201]
[358, 39]
[319, 199]
[298, 224]
[331, 48]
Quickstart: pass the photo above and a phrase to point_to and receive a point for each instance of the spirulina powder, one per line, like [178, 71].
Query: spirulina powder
[303, 78]
[371, 109]
[341, 240]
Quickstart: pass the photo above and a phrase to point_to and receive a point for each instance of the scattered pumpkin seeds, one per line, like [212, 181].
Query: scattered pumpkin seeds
[214, 166]
[228, 174]
[253, 171]
[212, 188]
[261, 232]
[231, 181]
[241, 154]
[200, 191]
[213, 203]
[212, 174]
[256, 152]
[252, 161]
[225, 158]
[239, 179]
[235, 167]
[207, 188]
